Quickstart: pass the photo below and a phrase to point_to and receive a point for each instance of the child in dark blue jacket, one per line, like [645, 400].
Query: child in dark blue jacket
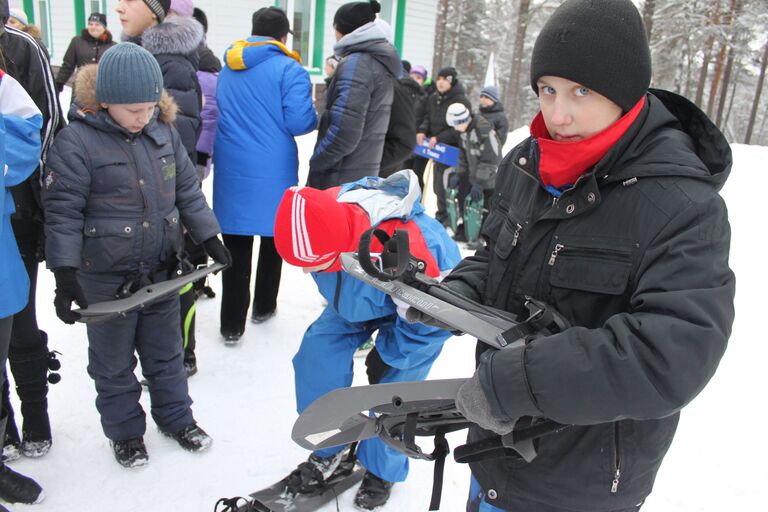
[118, 186]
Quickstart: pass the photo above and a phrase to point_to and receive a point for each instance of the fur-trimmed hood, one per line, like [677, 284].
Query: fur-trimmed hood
[176, 35]
[85, 96]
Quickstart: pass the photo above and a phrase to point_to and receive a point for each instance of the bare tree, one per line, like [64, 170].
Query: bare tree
[758, 92]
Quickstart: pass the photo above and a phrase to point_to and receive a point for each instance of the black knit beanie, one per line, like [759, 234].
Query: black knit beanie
[601, 44]
[270, 22]
[450, 74]
[159, 8]
[201, 18]
[349, 17]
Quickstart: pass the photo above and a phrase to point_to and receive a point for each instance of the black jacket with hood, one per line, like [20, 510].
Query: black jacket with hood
[27, 62]
[83, 49]
[175, 43]
[434, 124]
[350, 137]
[635, 256]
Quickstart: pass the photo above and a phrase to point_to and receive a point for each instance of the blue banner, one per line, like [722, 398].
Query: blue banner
[441, 153]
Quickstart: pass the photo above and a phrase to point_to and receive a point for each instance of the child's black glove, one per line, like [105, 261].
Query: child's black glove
[216, 250]
[68, 290]
[476, 193]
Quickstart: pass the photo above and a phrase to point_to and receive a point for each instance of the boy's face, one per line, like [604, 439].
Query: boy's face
[418, 78]
[135, 16]
[573, 112]
[461, 128]
[485, 101]
[443, 84]
[95, 29]
[131, 116]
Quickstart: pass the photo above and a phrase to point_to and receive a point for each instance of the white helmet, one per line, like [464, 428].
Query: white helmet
[457, 114]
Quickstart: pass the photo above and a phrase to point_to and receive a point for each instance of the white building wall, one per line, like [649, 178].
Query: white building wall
[419, 38]
[230, 20]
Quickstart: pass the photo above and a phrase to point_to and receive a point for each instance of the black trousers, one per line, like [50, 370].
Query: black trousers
[417, 164]
[439, 188]
[236, 281]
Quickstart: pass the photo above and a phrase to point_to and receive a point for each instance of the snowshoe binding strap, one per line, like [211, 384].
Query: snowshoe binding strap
[394, 259]
[234, 505]
[542, 320]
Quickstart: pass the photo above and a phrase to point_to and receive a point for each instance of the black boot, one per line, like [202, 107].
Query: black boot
[11, 440]
[131, 453]
[191, 438]
[373, 492]
[30, 371]
[313, 475]
[14, 487]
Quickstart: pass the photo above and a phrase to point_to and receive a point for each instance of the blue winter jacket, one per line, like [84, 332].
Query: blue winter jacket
[20, 123]
[116, 201]
[265, 100]
[358, 302]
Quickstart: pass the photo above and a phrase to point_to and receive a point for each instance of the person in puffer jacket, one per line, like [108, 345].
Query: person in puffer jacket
[174, 41]
[312, 228]
[610, 213]
[118, 186]
[350, 138]
[265, 100]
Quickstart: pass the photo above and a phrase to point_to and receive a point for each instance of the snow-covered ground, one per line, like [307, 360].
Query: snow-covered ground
[244, 398]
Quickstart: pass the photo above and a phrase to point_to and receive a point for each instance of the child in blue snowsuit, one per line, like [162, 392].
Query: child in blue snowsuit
[118, 186]
[311, 229]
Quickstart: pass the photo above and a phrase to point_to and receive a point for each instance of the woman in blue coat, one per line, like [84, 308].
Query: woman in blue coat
[264, 98]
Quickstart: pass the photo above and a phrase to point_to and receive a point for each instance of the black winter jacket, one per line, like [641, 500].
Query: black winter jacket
[498, 118]
[635, 255]
[27, 62]
[418, 97]
[434, 124]
[115, 201]
[350, 136]
[83, 49]
[401, 132]
[174, 43]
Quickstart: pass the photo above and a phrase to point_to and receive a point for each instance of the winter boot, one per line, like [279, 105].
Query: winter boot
[190, 363]
[260, 318]
[312, 475]
[191, 438]
[373, 492]
[17, 488]
[131, 453]
[31, 373]
[11, 439]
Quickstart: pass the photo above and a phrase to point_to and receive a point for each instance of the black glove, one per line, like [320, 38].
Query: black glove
[216, 250]
[476, 194]
[454, 180]
[375, 366]
[68, 290]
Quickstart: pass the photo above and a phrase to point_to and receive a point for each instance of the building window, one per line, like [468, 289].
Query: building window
[386, 11]
[305, 16]
[96, 6]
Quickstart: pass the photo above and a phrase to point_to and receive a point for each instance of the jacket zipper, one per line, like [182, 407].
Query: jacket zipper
[616, 460]
[609, 254]
[516, 235]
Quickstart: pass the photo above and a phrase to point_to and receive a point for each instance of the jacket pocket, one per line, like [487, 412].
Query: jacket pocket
[165, 167]
[108, 245]
[172, 237]
[591, 265]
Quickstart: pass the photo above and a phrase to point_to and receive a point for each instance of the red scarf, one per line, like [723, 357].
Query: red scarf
[562, 163]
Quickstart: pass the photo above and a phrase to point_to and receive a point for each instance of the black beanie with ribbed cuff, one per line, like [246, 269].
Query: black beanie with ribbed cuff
[159, 8]
[349, 17]
[600, 44]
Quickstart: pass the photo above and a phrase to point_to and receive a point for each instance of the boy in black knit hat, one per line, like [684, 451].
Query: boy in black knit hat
[610, 214]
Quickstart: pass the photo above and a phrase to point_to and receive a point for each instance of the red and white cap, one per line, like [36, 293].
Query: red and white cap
[311, 227]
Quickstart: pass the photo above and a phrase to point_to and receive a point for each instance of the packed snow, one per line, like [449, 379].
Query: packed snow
[244, 398]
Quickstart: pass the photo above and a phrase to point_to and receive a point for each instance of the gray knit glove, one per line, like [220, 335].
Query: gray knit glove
[472, 403]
